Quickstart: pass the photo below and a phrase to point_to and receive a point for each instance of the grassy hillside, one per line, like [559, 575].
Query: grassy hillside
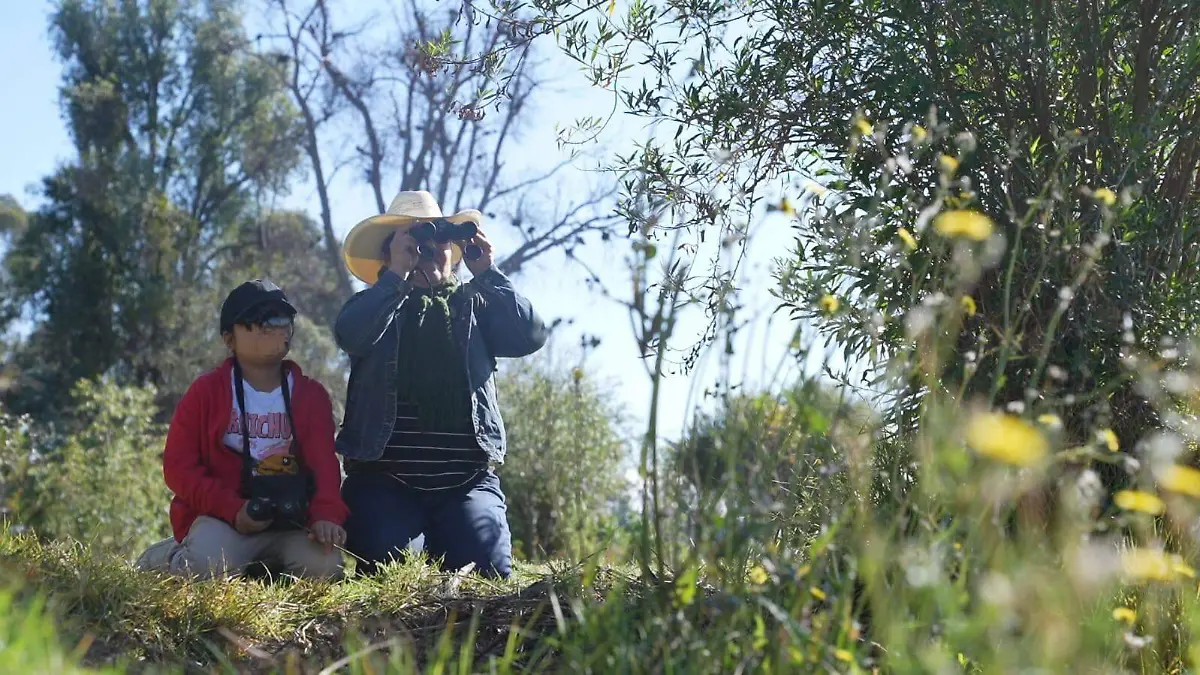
[140, 622]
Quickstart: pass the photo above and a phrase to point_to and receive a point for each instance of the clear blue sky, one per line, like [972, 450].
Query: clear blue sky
[33, 140]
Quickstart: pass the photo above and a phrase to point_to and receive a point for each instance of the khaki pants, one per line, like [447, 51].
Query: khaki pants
[214, 549]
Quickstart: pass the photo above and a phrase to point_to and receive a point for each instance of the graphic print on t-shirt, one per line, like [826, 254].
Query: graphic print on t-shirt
[270, 431]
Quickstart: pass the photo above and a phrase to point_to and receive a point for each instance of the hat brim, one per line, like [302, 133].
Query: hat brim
[362, 249]
[281, 303]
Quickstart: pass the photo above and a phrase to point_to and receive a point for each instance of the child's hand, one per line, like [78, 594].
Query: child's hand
[244, 524]
[325, 532]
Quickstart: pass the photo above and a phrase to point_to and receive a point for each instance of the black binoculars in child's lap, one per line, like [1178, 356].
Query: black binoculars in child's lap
[441, 231]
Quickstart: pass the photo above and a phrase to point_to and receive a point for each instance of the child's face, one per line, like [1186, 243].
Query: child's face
[265, 341]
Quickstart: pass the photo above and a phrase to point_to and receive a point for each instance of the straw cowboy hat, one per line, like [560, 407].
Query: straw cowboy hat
[363, 247]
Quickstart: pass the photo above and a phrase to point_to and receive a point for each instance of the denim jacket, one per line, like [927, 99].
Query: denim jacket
[491, 320]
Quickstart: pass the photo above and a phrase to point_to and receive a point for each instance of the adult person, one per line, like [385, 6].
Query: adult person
[422, 427]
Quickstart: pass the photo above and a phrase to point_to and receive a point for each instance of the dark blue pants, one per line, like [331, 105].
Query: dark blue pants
[460, 526]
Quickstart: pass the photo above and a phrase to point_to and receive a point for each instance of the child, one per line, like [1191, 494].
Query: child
[237, 433]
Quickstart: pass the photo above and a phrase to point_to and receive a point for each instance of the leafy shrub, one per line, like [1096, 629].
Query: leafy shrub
[564, 474]
[765, 467]
[98, 478]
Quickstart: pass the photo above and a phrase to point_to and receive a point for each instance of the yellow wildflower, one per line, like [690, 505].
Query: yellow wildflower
[843, 655]
[817, 593]
[758, 575]
[1146, 564]
[1124, 614]
[1109, 438]
[1151, 565]
[1006, 438]
[947, 164]
[968, 305]
[910, 242]
[830, 304]
[863, 126]
[1182, 479]
[577, 374]
[1105, 196]
[964, 223]
[1050, 420]
[919, 134]
[1136, 500]
[1182, 568]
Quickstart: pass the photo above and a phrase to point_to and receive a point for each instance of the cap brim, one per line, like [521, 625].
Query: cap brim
[362, 248]
[281, 303]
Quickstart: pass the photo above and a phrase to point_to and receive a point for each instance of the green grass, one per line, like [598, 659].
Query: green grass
[29, 642]
[410, 616]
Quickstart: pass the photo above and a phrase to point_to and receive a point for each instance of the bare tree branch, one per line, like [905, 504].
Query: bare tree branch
[563, 233]
[433, 133]
[302, 93]
[374, 150]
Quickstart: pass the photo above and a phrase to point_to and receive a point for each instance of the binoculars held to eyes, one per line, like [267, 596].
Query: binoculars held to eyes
[441, 231]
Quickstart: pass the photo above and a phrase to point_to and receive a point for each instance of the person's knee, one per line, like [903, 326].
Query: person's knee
[157, 558]
[201, 564]
[376, 531]
[492, 559]
[494, 552]
[500, 553]
[211, 549]
[372, 541]
[484, 540]
[499, 565]
[491, 521]
[314, 562]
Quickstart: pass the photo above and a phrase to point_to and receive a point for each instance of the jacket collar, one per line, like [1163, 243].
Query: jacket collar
[293, 369]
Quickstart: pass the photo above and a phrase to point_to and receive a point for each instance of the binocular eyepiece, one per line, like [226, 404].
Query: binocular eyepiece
[441, 231]
[266, 508]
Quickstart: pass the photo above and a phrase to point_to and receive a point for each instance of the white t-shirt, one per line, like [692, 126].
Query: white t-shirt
[270, 431]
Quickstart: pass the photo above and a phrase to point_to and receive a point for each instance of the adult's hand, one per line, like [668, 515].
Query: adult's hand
[403, 253]
[244, 524]
[480, 264]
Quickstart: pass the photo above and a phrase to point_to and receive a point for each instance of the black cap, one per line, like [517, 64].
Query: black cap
[252, 296]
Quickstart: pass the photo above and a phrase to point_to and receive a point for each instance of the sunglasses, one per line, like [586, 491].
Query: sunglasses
[268, 320]
[275, 322]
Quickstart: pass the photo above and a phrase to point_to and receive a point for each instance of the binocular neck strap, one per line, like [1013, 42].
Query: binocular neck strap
[287, 408]
[240, 391]
[247, 461]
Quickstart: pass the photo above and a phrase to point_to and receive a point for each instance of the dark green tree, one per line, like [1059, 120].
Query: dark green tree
[179, 130]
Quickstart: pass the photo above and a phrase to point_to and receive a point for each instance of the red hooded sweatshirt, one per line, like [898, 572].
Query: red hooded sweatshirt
[206, 476]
